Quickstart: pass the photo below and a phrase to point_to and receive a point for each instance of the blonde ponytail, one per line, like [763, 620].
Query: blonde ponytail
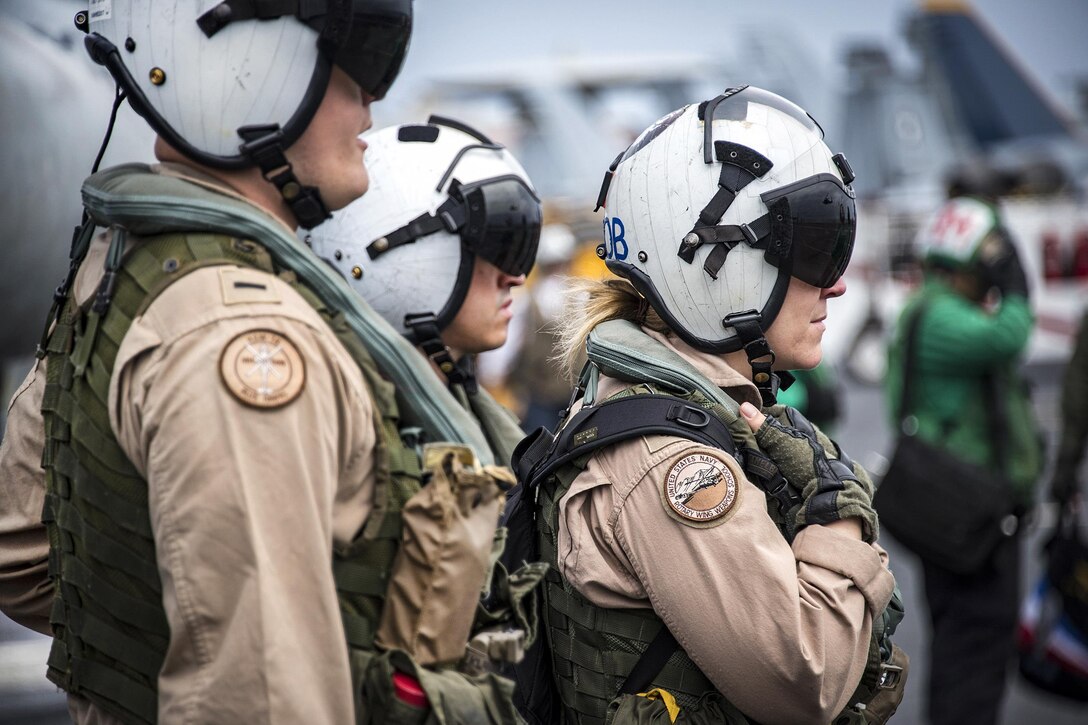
[589, 303]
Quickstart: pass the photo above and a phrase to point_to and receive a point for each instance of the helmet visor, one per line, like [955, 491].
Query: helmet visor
[374, 50]
[503, 222]
[817, 218]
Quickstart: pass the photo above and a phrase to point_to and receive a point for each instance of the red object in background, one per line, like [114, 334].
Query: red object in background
[408, 690]
[1079, 268]
[1052, 257]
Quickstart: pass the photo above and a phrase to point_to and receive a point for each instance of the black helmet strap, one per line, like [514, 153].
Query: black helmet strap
[263, 145]
[740, 166]
[229, 11]
[425, 333]
[450, 217]
[749, 327]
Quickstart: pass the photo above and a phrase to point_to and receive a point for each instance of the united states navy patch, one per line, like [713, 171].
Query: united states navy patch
[701, 489]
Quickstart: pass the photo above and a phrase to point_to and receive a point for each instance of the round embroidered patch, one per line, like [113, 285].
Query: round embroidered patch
[700, 488]
[262, 368]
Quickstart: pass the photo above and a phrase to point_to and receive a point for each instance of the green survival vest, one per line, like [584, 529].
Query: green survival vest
[594, 649]
[110, 630]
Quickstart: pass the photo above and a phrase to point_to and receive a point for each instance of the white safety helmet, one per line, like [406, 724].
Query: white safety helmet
[709, 220]
[441, 194]
[233, 83]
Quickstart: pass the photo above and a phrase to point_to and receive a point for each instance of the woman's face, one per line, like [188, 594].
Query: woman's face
[797, 331]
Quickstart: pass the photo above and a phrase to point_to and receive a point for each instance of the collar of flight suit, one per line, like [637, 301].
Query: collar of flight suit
[713, 367]
[195, 176]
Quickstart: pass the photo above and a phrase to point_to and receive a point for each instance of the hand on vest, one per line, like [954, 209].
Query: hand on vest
[830, 488]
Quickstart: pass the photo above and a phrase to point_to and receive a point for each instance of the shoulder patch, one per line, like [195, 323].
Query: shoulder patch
[240, 285]
[701, 489]
[262, 368]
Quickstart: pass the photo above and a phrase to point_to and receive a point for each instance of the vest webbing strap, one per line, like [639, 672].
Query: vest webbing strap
[127, 515]
[96, 442]
[651, 663]
[103, 548]
[642, 632]
[137, 613]
[97, 633]
[91, 676]
[582, 703]
[357, 579]
[358, 630]
[629, 624]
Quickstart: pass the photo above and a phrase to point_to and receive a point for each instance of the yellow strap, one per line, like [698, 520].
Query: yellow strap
[666, 699]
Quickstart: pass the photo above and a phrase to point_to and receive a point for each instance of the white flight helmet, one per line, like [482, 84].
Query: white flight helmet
[709, 220]
[441, 194]
[233, 83]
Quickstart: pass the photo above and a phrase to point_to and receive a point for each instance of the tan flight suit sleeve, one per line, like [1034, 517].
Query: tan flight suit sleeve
[782, 632]
[25, 590]
[246, 502]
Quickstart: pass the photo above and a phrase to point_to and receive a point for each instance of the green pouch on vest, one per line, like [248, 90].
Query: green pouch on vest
[659, 707]
[453, 697]
[507, 620]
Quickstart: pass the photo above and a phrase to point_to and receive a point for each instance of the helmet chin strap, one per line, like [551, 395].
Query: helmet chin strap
[264, 147]
[425, 333]
[749, 329]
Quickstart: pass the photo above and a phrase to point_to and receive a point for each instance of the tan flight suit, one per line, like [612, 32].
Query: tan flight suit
[246, 502]
[782, 632]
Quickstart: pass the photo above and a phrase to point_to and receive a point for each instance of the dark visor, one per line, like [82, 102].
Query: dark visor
[817, 221]
[374, 50]
[503, 222]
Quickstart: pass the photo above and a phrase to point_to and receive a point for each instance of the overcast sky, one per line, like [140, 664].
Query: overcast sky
[1047, 35]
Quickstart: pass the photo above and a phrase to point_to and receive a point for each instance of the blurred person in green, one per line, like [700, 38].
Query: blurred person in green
[975, 324]
[1074, 436]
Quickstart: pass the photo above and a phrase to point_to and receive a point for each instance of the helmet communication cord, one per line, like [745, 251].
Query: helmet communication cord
[82, 233]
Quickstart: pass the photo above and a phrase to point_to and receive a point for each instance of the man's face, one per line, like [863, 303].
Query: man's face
[481, 322]
[329, 154]
[798, 330]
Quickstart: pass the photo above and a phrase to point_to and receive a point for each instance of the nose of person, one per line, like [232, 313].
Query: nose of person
[509, 280]
[836, 290]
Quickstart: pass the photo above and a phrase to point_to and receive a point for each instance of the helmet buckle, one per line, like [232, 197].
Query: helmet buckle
[448, 221]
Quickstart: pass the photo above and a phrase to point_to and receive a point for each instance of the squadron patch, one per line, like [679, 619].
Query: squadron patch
[700, 489]
[262, 368]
